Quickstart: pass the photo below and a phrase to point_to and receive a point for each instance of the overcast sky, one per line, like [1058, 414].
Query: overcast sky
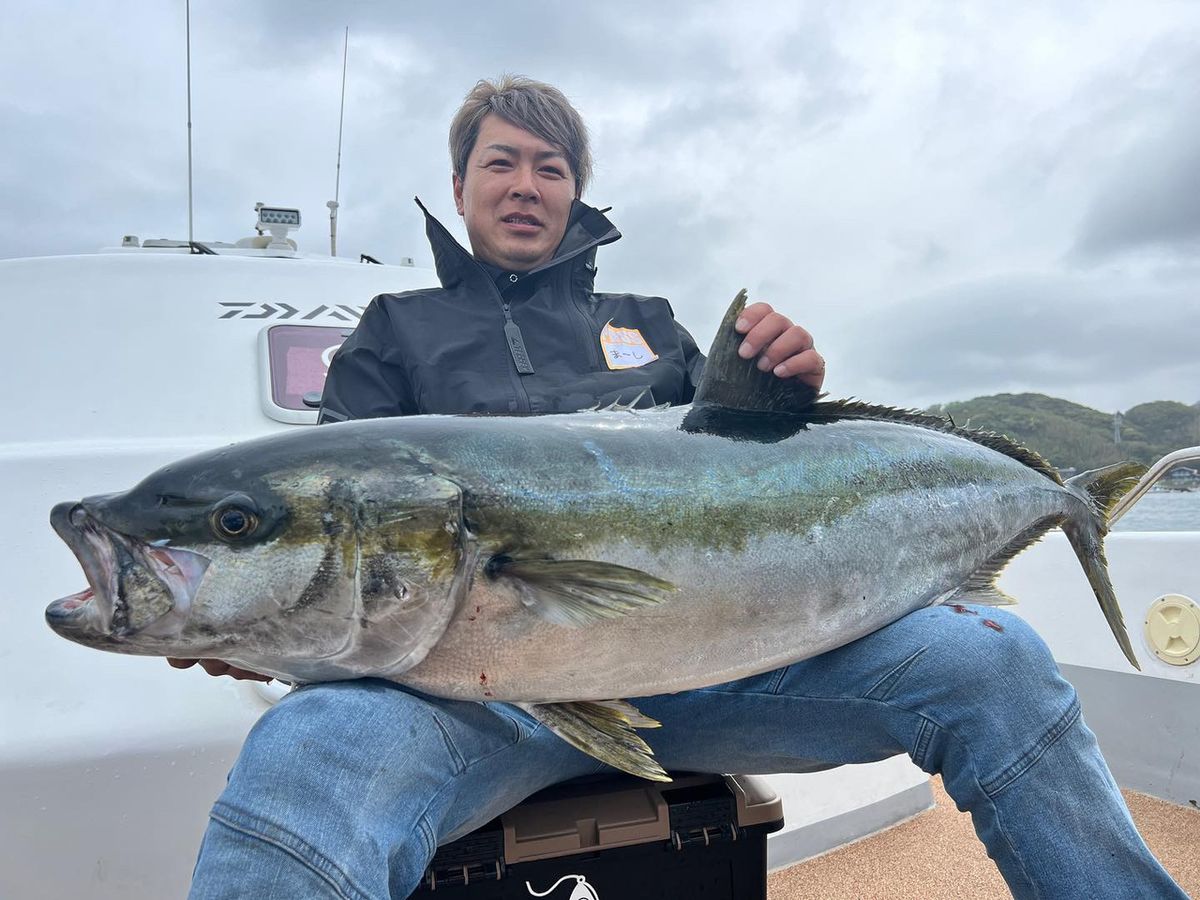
[955, 198]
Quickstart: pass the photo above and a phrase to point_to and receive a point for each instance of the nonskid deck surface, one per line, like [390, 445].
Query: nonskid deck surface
[936, 856]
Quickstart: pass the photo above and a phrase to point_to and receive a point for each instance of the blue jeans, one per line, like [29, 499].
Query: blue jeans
[346, 789]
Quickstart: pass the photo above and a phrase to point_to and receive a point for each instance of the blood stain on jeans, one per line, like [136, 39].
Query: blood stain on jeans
[959, 608]
[995, 626]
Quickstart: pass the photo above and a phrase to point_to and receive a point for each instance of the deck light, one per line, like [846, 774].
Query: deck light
[278, 220]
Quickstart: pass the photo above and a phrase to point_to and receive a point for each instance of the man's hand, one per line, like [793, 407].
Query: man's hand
[781, 347]
[219, 667]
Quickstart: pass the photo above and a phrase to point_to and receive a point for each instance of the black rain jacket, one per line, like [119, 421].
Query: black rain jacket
[512, 343]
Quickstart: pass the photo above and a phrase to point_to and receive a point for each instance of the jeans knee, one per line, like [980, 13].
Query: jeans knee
[993, 659]
[308, 723]
[340, 747]
[343, 776]
[988, 695]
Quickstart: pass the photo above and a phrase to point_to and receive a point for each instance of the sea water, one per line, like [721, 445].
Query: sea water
[1163, 511]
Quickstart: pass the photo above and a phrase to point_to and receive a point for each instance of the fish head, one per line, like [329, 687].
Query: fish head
[289, 567]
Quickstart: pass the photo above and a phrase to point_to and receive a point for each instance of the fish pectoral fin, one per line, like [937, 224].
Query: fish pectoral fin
[604, 729]
[578, 591]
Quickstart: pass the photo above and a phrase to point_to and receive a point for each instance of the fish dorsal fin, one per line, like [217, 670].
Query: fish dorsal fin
[836, 410]
[736, 400]
[736, 383]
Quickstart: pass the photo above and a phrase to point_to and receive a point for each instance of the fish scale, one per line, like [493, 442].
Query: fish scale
[799, 612]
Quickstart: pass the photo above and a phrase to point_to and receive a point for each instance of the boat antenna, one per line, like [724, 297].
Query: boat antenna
[188, 6]
[337, 183]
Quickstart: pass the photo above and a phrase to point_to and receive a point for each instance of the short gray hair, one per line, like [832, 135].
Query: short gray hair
[539, 108]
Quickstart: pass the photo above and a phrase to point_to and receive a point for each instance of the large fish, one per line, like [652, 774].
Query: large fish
[565, 562]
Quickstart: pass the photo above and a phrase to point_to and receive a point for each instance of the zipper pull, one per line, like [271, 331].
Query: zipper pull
[516, 344]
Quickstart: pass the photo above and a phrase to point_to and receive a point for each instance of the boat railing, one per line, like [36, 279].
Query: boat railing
[1153, 474]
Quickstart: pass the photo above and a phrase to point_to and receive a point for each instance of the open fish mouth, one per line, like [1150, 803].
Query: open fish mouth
[133, 587]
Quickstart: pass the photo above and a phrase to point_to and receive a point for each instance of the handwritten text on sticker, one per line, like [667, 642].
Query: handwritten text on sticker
[625, 348]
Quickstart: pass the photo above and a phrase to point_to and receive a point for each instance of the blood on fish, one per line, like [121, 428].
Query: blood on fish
[995, 626]
[959, 608]
[483, 678]
[488, 694]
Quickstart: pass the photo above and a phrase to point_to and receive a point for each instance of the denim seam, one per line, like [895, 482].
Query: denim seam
[921, 744]
[1031, 883]
[427, 832]
[882, 689]
[307, 855]
[997, 783]
[925, 733]
[515, 721]
[1027, 760]
[460, 764]
[1002, 780]
[1002, 830]
[422, 822]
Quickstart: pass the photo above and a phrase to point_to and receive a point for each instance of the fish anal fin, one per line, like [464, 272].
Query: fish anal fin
[982, 595]
[605, 730]
[579, 592]
[981, 586]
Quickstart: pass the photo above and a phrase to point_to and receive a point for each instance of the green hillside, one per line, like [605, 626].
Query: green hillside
[1069, 434]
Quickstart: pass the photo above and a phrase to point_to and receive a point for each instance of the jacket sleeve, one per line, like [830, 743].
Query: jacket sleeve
[693, 360]
[367, 378]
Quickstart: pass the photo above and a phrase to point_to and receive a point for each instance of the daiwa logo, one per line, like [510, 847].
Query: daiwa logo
[583, 890]
[277, 310]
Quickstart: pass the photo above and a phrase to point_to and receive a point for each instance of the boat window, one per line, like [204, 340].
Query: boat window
[294, 360]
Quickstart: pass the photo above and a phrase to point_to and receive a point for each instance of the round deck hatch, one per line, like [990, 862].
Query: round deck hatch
[1173, 629]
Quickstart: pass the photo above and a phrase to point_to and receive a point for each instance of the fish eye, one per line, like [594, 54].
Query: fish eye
[232, 522]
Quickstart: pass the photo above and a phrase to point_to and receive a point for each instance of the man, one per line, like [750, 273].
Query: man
[346, 789]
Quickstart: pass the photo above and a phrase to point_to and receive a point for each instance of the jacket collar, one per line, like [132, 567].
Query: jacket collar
[587, 229]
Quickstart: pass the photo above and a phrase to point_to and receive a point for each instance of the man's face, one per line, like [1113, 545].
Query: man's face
[515, 196]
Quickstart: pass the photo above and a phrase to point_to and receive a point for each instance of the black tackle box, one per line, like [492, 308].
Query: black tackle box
[618, 838]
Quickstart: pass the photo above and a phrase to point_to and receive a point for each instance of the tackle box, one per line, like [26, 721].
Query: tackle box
[618, 838]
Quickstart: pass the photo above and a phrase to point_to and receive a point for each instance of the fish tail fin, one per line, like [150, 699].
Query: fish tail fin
[1100, 489]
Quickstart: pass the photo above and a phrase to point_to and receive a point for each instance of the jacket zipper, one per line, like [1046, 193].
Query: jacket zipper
[590, 339]
[516, 343]
[511, 328]
[516, 347]
[512, 331]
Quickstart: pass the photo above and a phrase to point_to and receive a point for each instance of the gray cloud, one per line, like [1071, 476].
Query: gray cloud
[1154, 201]
[1059, 335]
[1147, 198]
[830, 157]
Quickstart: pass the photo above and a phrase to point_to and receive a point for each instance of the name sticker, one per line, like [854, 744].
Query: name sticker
[624, 348]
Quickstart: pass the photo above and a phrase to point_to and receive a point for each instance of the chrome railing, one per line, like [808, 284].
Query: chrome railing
[1153, 474]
